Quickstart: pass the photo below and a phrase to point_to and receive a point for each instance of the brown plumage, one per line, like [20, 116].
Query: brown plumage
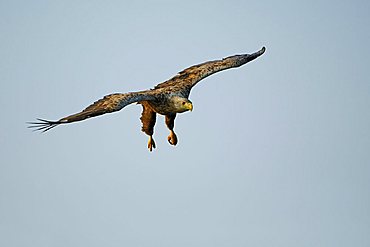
[167, 98]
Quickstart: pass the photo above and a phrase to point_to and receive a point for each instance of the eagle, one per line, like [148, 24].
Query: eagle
[167, 98]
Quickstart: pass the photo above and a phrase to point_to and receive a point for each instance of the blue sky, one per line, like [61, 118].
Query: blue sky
[275, 153]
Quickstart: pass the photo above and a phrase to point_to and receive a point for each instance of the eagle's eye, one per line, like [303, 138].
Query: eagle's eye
[183, 103]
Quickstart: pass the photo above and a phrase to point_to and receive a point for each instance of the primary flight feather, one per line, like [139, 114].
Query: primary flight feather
[167, 98]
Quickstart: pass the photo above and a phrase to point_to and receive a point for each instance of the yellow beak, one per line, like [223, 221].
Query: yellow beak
[190, 106]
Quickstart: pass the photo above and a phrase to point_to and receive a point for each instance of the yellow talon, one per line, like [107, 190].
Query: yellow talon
[151, 143]
[172, 138]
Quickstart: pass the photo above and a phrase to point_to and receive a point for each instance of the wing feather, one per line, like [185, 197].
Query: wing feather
[192, 75]
[110, 103]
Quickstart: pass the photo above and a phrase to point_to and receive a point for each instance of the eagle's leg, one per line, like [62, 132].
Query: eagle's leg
[148, 118]
[170, 122]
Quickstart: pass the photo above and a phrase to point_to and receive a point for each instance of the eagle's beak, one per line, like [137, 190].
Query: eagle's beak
[190, 106]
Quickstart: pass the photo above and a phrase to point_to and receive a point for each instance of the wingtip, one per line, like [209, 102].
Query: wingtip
[256, 54]
[42, 125]
[263, 49]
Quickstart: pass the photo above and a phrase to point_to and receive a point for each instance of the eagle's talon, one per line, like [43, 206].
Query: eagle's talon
[172, 138]
[151, 144]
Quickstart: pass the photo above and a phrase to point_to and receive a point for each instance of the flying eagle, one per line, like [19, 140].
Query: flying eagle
[167, 98]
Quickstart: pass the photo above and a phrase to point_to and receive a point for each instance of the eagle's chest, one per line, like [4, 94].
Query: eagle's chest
[164, 107]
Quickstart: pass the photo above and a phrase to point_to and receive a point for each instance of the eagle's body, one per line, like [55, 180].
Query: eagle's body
[167, 98]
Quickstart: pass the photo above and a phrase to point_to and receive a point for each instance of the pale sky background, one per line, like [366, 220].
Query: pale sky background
[275, 153]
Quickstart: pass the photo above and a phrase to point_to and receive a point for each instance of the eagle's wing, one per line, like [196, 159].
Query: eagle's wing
[110, 103]
[192, 75]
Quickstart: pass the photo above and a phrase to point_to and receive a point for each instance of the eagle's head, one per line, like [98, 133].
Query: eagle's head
[182, 104]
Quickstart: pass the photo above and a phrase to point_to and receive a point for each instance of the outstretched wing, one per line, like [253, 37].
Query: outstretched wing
[110, 103]
[192, 75]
